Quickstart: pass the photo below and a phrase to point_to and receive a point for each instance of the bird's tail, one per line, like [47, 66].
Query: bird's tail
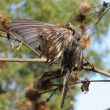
[65, 87]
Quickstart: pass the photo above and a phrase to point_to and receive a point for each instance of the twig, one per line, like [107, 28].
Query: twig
[78, 82]
[95, 69]
[51, 95]
[92, 66]
[108, 8]
[22, 60]
[59, 69]
[50, 90]
[70, 84]
[81, 81]
[102, 15]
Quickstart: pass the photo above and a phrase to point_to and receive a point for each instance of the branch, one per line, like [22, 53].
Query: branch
[48, 99]
[50, 90]
[81, 81]
[95, 69]
[77, 82]
[40, 60]
[57, 71]
[89, 81]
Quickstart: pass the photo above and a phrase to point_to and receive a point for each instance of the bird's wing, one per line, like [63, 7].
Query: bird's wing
[48, 38]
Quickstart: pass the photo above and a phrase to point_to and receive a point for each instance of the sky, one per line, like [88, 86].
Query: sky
[98, 97]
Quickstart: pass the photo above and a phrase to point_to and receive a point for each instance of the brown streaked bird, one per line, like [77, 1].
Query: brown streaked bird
[55, 41]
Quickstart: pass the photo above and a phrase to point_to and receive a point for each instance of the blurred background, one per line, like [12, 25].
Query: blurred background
[16, 77]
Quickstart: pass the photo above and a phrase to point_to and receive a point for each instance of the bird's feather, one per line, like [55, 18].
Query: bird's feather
[54, 41]
[51, 38]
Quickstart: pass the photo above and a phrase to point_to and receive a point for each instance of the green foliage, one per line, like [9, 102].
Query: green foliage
[53, 11]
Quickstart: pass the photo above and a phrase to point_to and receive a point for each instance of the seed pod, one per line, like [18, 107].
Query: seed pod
[74, 77]
[85, 42]
[84, 8]
[83, 11]
[41, 105]
[32, 94]
[43, 84]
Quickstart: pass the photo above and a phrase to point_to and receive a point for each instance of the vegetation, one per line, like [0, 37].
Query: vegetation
[16, 77]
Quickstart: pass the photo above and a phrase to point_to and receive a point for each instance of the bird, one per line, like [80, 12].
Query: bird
[65, 42]
[54, 41]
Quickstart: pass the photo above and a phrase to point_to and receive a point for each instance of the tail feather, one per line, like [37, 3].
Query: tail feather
[65, 87]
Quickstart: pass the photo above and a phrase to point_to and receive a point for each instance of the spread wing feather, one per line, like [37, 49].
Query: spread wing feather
[50, 38]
